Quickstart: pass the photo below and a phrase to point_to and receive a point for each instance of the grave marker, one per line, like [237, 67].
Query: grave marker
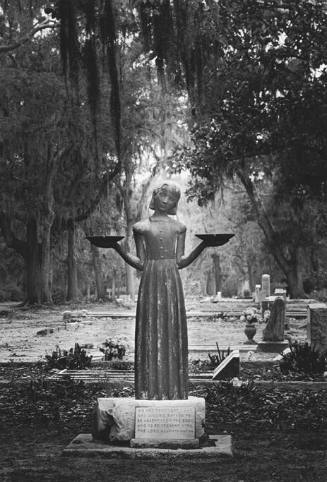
[317, 326]
[228, 368]
[265, 283]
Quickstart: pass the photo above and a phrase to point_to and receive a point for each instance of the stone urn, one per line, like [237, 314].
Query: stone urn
[250, 328]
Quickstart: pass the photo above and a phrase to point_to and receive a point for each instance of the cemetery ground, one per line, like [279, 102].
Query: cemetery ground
[279, 432]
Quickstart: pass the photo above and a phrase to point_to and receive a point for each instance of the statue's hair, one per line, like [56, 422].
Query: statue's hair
[174, 189]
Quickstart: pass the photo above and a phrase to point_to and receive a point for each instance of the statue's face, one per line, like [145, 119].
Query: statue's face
[165, 199]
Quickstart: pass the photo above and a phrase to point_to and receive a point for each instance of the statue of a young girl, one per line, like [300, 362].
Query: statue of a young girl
[161, 349]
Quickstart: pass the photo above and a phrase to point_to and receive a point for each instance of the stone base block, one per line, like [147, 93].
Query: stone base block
[273, 346]
[84, 446]
[165, 444]
[115, 417]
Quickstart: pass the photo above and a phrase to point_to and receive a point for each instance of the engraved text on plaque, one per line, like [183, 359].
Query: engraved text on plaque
[165, 423]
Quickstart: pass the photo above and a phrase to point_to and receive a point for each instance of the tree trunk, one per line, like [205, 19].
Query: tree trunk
[33, 265]
[251, 275]
[113, 286]
[71, 263]
[217, 272]
[210, 283]
[44, 227]
[46, 263]
[288, 266]
[294, 277]
[37, 258]
[98, 273]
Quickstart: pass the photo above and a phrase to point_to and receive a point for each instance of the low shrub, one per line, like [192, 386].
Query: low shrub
[73, 359]
[113, 349]
[121, 365]
[215, 360]
[303, 357]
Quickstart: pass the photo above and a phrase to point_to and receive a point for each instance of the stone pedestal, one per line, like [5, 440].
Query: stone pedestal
[85, 446]
[157, 422]
[164, 444]
[272, 346]
[317, 326]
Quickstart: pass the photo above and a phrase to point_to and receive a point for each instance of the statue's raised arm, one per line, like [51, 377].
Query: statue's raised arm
[182, 260]
[134, 261]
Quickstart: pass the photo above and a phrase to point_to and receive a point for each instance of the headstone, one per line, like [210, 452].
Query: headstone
[67, 315]
[228, 368]
[274, 330]
[273, 335]
[265, 283]
[280, 292]
[257, 293]
[317, 326]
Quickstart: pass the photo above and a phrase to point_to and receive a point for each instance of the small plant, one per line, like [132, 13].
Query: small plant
[215, 360]
[74, 359]
[121, 365]
[302, 358]
[113, 349]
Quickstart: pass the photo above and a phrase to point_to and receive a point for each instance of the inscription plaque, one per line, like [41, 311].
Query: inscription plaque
[165, 423]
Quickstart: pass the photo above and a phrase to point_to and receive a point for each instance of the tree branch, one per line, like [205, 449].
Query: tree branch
[102, 189]
[29, 36]
[263, 220]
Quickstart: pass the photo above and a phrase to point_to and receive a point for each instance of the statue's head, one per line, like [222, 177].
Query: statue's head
[165, 198]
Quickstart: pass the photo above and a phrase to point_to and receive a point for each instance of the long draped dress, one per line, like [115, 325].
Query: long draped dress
[161, 348]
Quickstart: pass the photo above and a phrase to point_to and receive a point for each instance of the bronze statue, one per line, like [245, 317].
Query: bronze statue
[161, 348]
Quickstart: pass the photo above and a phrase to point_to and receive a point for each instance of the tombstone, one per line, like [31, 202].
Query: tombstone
[265, 283]
[257, 293]
[274, 330]
[280, 292]
[317, 326]
[229, 367]
[273, 334]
